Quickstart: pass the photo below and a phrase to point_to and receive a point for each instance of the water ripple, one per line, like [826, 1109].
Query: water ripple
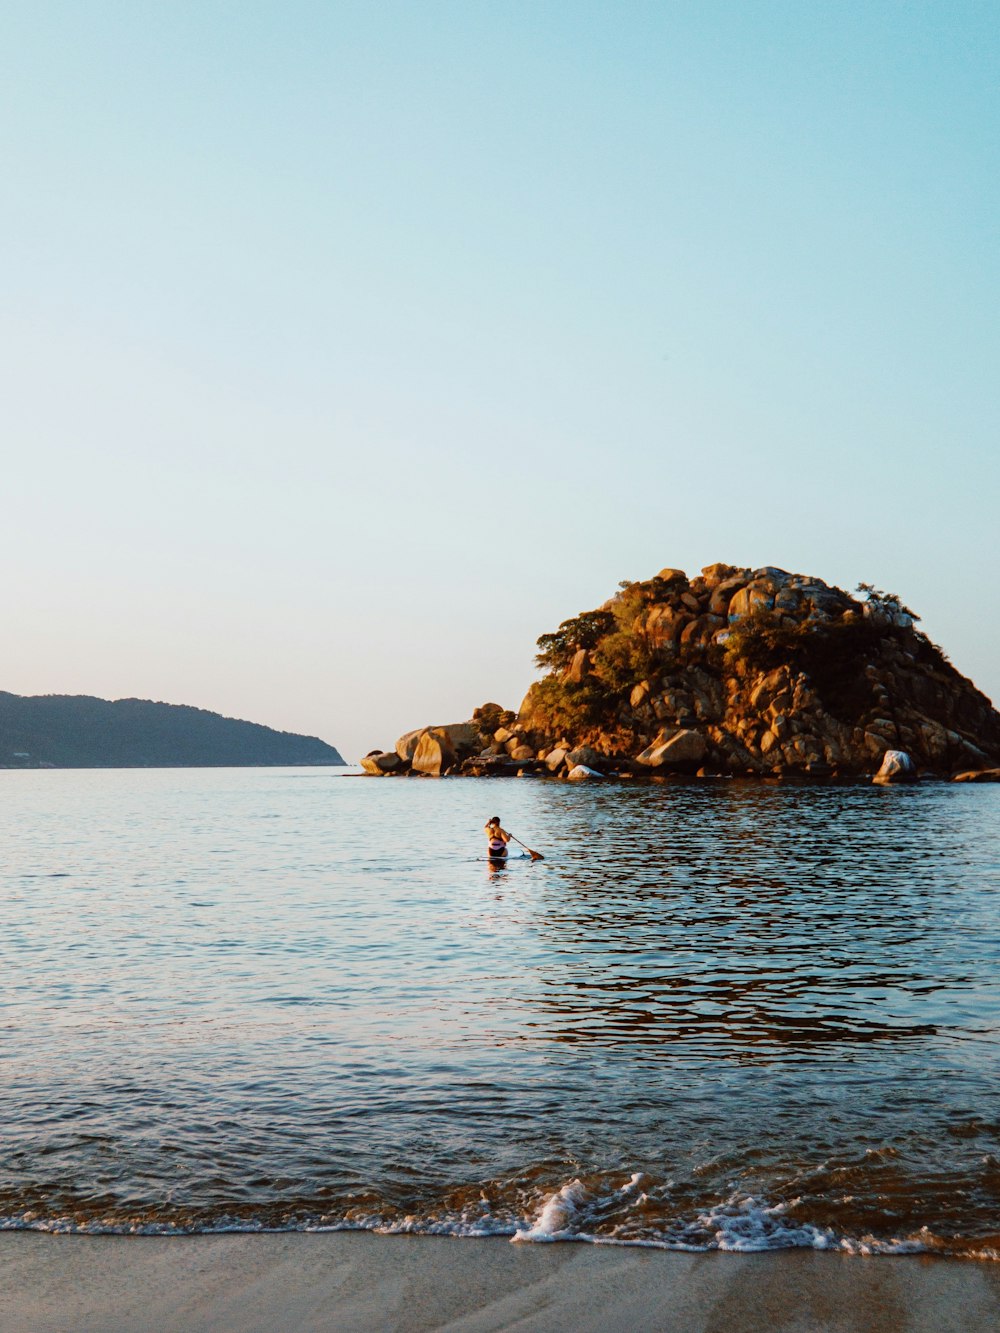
[726, 1015]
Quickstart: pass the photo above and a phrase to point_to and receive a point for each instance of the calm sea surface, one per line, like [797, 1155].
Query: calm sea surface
[723, 1015]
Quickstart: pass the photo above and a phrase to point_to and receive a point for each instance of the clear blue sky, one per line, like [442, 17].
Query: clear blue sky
[346, 348]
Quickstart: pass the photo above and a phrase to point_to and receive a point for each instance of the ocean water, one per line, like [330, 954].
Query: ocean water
[717, 1016]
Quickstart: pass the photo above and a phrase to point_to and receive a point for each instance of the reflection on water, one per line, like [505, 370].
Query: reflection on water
[757, 922]
[726, 1014]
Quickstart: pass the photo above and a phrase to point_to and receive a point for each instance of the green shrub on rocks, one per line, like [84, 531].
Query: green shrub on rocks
[566, 706]
[832, 653]
[622, 658]
[556, 650]
[633, 600]
[888, 603]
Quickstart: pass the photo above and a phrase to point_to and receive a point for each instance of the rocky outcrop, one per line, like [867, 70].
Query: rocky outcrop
[735, 671]
[486, 741]
[378, 762]
[680, 750]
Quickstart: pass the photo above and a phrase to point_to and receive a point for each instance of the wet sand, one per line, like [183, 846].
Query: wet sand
[353, 1282]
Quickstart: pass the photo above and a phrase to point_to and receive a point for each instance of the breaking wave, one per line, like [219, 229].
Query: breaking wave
[599, 1213]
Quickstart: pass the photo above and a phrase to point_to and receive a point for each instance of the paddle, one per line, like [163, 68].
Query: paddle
[535, 856]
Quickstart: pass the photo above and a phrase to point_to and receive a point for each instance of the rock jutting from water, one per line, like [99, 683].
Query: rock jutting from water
[737, 671]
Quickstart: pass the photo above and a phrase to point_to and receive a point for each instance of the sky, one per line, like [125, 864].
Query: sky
[347, 348]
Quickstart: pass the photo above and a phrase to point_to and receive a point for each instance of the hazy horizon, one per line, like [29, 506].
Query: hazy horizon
[348, 349]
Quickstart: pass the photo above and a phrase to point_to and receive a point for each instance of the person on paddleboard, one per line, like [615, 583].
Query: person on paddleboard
[496, 838]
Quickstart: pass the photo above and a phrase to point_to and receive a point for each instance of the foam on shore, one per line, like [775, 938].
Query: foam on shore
[593, 1214]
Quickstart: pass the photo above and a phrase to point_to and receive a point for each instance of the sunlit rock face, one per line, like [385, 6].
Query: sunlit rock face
[759, 671]
[735, 671]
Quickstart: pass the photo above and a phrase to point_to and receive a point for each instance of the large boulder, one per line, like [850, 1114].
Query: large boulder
[697, 634]
[639, 695]
[664, 624]
[788, 600]
[462, 737]
[434, 754]
[774, 575]
[822, 601]
[769, 687]
[723, 594]
[937, 740]
[379, 762]
[715, 574]
[581, 773]
[897, 766]
[756, 596]
[489, 716]
[555, 759]
[681, 750]
[408, 742]
[526, 712]
[585, 755]
[578, 668]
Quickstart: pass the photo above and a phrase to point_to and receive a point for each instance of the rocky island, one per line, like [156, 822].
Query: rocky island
[749, 672]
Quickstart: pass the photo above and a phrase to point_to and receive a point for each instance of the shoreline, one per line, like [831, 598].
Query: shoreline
[358, 1281]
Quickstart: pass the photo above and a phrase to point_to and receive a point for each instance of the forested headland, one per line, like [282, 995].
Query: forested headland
[78, 731]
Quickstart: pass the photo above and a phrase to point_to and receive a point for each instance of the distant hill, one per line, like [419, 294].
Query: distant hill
[77, 731]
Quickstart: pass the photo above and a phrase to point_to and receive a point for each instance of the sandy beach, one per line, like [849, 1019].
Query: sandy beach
[363, 1282]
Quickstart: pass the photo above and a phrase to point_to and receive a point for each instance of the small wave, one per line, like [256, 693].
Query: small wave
[739, 1224]
[555, 1220]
